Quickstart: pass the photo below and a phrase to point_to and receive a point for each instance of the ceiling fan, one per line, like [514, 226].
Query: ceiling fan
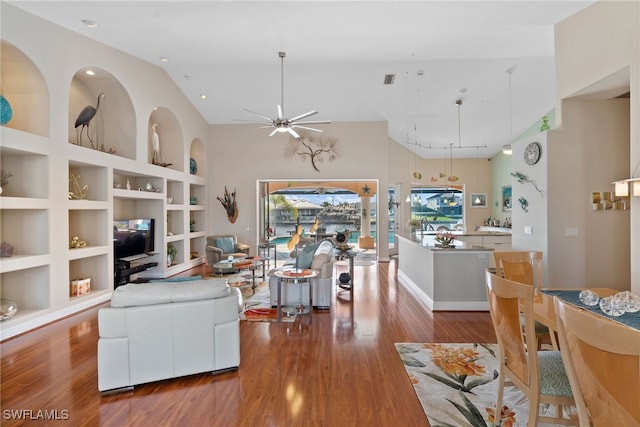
[281, 123]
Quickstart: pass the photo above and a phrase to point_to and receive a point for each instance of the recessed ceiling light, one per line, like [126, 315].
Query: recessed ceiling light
[164, 58]
[89, 23]
[90, 72]
[203, 96]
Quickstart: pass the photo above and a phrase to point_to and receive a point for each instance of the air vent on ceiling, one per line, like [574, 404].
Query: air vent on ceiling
[389, 79]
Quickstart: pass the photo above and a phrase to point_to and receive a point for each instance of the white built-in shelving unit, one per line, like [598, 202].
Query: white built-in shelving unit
[39, 219]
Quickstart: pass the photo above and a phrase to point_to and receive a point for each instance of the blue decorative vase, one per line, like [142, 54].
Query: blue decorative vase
[5, 111]
[193, 166]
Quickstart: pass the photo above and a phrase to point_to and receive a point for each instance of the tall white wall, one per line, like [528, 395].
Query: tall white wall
[591, 46]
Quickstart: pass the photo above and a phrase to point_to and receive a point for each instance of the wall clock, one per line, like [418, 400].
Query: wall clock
[532, 153]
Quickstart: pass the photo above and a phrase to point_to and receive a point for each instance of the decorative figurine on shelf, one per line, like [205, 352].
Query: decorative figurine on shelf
[193, 200]
[5, 111]
[83, 120]
[77, 192]
[155, 144]
[6, 249]
[156, 158]
[4, 179]
[8, 309]
[171, 254]
[229, 203]
[77, 243]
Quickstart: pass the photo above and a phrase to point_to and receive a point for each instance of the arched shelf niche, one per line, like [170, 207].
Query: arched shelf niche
[113, 128]
[198, 153]
[24, 88]
[171, 146]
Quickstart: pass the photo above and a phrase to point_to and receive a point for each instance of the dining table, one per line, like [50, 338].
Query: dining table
[544, 309]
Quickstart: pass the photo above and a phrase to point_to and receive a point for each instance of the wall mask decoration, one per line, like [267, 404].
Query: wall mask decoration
[228, 201]
[316, 148]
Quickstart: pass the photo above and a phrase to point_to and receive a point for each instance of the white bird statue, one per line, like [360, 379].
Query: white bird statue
[155, 139]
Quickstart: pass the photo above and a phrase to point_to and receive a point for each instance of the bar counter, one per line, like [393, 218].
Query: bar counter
[444, 279]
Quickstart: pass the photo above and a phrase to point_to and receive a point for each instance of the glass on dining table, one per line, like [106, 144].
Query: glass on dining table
[588, 297]
[628, 301]
[612, 307]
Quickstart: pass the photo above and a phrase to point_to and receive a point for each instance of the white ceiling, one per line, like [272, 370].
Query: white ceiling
[337, 55]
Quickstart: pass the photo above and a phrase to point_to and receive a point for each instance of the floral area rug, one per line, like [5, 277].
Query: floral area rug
[266, 315]
[257, 306]
[457, 385]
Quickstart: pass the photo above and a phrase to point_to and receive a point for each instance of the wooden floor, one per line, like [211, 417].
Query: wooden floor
[343, 370]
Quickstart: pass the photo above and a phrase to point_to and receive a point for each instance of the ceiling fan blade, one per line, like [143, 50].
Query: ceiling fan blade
[313, 122]
[252, 121]
[259, 115]
[274, 132]
[306, 128]
[280, 112]
[293, 133]
[302, 116]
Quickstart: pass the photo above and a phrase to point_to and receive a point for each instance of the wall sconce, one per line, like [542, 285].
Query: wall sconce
[506, 149]
[636, 187]
[621, 187]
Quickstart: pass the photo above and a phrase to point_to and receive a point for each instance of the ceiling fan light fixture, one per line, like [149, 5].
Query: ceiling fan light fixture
[281, 124]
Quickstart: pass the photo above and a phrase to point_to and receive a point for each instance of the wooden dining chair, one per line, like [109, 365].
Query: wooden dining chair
[539, 375]
[602, 360]
[520, 266]
[525, 267]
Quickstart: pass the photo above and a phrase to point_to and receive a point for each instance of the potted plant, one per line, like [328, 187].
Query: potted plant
[414, 224]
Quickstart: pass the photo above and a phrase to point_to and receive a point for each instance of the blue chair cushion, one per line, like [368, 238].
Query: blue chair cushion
[553, 377]
[226, 244]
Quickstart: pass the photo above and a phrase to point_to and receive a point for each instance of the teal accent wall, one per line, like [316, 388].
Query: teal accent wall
[500, 176]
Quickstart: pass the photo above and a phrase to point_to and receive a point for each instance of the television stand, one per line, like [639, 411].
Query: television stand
[123, 270]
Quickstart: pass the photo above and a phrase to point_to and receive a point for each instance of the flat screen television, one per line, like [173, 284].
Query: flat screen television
[132, 237]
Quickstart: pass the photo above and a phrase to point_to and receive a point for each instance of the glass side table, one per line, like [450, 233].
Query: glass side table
[264, 249]
[298, 277]
[346, 288]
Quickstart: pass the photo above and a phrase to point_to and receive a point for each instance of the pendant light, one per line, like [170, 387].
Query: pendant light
[477, 201]
[452, 177]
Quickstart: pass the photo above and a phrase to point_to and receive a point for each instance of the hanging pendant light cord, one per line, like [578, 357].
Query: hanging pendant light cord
[282, 55]
[459, 102]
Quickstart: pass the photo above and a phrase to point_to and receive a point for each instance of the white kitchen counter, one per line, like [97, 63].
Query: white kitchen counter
[445, 279]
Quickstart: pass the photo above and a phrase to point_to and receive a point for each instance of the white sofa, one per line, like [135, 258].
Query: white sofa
[293, 294]
[156, 331]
